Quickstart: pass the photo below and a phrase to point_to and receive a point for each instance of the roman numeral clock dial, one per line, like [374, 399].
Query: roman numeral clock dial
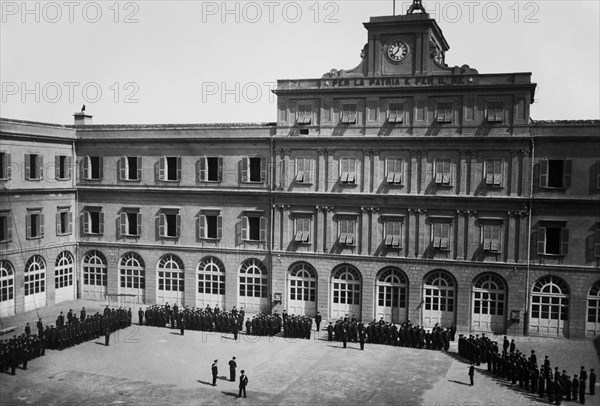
[397, 51]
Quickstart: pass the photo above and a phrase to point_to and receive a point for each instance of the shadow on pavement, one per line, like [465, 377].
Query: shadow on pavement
[99, 343]
[230, 394]
[174, 333]
[458, 382]
[204, 382]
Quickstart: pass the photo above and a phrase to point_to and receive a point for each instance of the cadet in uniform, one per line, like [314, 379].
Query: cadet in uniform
[215, 371]
[232, 367]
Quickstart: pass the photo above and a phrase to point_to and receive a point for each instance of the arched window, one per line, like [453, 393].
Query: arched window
[7, 281]
[170, 273]
[35, 275]
[253, 279]
[303, 283]
[63, 270]
[132, 271]
[346, 285]
[94, 269]
[211, 276]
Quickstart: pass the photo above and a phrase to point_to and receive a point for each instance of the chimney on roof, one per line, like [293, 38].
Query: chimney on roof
[82, 119]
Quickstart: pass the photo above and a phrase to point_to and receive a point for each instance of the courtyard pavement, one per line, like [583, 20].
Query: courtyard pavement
[157, 366]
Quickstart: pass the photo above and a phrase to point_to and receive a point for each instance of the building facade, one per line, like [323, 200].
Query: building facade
[401, 189]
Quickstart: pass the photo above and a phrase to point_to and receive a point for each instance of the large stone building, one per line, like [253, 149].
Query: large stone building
[402, 189]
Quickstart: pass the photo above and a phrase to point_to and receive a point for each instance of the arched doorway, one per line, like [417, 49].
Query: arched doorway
[95, 276]
[7, 289]
[170, 273]
[592, 326]
[346, 284]
[302, 290]
[488, 313]
[439, 299]
[35, 283]
[254, 286]
[132, 276]
[550, 307]
[392, 294]
[211, 283]
[64, 286]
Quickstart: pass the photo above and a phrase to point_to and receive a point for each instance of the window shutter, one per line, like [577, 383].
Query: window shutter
[123, 223]
[100, 167]
[139, 223]
[567, 173]
[596, 243]
[39, 166]
[489, 173]
[8, 167]
[201, 170]
[101, 221]
[439, 171]
[202, 226]
[56, 167]
[263, 170]
[123, 168]
[68, 167]
[27, 166]
[162, 164]
[178, 230]
[70, 222]
[245, 169]
[541, 240]
[161, 224]
[86, 222]
[58, 228]
[85, 167]
[564, 241]
[178, 170]
[308, 168]
[219, 227]
[41, 217]
[498, 242]
[9, 228]
[139, 168]
[244, 233]
[28, 225]
[263, 229]
[544, 173]
[220, 169]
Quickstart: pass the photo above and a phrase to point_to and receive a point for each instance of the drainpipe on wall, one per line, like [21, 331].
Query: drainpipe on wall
[272, 218]
[530, 209]
[75, 216]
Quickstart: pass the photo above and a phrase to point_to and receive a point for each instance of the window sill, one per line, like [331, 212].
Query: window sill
[394, 184]
[552, 255]
[93, 234]
[63, 234]
[210, 239]
[395, 247]
[92, 179]
[62, 179]
[303, 183]
[131, 235]
[130, 180]
[210, 181]
[169, 237]
[553, 187]
[447, 185]
[254, 182]
[347, 184]
[170, 180]
[39, 237]
[34, 179]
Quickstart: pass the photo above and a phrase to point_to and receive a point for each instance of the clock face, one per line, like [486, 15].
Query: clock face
[397, 51]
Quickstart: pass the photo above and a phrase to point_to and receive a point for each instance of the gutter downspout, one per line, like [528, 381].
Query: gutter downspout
[527, 272]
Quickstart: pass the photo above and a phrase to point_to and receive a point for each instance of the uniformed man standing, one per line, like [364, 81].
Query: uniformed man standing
[592, 382]
[471, 373]
[106, 335]
[318, 320]
[140, 316]
[215, 371]
[243, 383]
[330, 332]
[232, 367]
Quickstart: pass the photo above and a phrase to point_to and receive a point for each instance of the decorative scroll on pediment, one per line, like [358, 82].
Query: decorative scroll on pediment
[354, 72]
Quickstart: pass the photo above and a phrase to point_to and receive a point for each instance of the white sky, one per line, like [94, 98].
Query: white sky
[192, 62]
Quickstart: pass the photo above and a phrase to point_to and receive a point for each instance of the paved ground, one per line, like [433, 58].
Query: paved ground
[157, 366]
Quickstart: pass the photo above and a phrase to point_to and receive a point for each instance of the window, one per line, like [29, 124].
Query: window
[210, 169]
[349, 114]
[254, 228]
[5, 168]
[393, 171]
[444, 112]
[95, 272]
[34, 223]
[33, 166]
[169, 223]
[253, 279]
[7, 281]
[92, 167]
[443, 172]
[396, 113]
[210, 225]
[62, 167]
[493, 172]
[132, 271]
[495, 112]
[302, 230]
[130, 168]
[491, 237]
[348, 170]
[346, 231]
[63, 270]
[211, 276]
[93, 220]
[130, 222]
[303, 170]
[304, 114]
[169, 169]
[553, 240]
[35, 275]
[254, 169]
[393, 234]
[555, 173]
[64, 221]
[440, 236]
[5, 227]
